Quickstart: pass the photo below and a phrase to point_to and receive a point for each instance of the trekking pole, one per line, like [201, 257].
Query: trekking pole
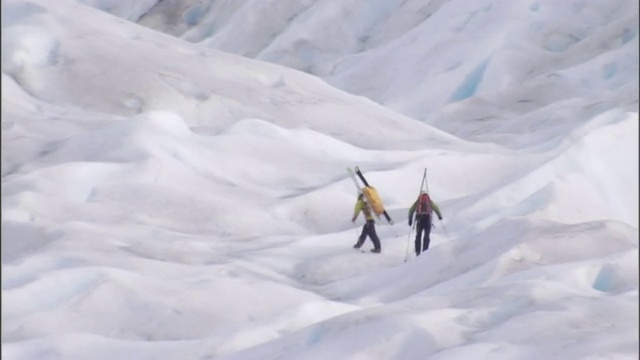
[445, 230]
[406, 255]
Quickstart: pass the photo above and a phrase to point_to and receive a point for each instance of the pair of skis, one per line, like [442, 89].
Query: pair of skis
[356, 172]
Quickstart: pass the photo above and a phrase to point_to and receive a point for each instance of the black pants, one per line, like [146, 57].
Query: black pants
[423, 227]
[369, 229]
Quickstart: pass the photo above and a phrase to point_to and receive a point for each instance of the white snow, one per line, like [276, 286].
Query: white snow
[174, 179]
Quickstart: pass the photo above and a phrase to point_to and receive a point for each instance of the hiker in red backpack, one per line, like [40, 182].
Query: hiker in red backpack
[423, 208]
[369, 228]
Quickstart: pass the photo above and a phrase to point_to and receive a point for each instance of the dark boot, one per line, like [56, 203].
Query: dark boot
[377, 251]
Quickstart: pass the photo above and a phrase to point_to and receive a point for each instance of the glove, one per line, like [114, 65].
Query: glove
[410, 222]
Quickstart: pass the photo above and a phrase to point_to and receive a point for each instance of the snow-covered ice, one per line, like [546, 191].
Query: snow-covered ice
[174, 179]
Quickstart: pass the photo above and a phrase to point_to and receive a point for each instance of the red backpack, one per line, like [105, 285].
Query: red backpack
[424, 205]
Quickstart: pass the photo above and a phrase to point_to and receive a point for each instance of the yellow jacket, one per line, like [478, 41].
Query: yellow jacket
[361, 205]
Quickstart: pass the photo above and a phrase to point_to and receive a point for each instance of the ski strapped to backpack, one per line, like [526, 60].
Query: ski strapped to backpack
[370, 194]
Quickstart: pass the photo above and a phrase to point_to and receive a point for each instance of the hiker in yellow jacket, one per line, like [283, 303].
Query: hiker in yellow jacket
[369, 228]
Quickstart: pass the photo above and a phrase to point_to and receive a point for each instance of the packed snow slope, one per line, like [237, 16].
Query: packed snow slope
[421, 56]
[175, 194]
